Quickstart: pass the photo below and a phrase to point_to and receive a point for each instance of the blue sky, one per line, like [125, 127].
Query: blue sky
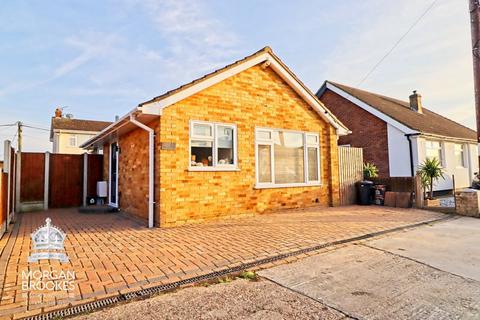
[101, 58]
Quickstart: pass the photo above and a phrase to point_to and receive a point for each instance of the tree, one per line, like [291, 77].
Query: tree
[431, 170]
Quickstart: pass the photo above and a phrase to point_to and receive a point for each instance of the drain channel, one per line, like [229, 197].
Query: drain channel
[145, 293]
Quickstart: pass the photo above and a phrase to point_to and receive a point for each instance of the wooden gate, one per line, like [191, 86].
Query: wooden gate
[350, 171]
[66, 180]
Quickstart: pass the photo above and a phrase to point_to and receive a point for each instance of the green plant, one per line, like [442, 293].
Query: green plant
[370, 171]
[249, 275]
[431, 170]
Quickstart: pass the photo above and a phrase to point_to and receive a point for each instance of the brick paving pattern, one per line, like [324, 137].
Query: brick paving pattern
[111, 254]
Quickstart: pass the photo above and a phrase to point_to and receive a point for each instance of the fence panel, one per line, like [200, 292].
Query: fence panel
[350, 172]
[32, 177]
[11, 174]
[3, 201]
[65, 180]
[397, 184]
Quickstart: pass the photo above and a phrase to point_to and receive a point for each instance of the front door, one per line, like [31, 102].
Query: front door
[113, 196]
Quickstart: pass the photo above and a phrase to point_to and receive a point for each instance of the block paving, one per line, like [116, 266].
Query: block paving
[112, 254]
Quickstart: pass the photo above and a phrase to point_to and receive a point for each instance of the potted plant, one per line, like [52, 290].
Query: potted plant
[369, 171]
[431, 171]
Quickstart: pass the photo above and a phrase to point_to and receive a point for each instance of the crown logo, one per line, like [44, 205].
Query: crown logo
[48, 243]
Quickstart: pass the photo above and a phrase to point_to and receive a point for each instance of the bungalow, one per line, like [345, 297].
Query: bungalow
[245, 139]
[398, 136]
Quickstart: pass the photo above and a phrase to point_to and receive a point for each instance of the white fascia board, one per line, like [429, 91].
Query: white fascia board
[163, 103]
[307, 96]
[111, 128]
[277, 67]
[151, 109]
[372, 110]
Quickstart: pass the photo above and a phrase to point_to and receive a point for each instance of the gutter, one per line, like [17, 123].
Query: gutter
[151, 153]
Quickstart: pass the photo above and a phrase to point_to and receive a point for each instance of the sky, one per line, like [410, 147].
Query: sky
[102, 58]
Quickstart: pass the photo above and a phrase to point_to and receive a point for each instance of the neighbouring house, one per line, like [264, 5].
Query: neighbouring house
[398, 136]
[67, 134]
[245, 139]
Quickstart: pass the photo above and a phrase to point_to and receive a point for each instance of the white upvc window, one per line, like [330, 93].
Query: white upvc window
[72, 140]
[286, 158]
[213, 146]
[433, 149]
[459, 155]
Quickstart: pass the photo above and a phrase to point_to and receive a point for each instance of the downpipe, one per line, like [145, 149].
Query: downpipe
[151, 147]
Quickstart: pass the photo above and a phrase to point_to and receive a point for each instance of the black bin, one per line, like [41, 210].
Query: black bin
[364, 191]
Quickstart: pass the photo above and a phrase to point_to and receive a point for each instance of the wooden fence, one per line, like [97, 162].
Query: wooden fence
[350, 171]
[397, 184]
[57, 180]
[3, 202]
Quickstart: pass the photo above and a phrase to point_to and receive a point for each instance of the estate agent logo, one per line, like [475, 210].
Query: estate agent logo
[48, 243]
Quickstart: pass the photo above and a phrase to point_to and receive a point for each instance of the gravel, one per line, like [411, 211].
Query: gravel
[239, 299]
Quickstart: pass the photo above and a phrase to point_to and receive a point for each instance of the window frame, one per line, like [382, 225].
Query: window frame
[462, 150]
[214, 139]
[441, 149]
[74, 137]
[270, 142]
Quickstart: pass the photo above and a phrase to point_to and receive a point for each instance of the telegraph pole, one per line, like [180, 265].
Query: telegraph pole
[19, 133]
[475, 29]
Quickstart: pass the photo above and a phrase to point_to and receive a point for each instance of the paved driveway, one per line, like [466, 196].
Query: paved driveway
[430, 272]
[111, 254]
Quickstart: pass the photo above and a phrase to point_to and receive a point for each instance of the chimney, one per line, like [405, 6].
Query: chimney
[58, 113]
[416, 102]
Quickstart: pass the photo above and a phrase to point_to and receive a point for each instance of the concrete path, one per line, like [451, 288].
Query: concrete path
[453, 246]
[427, 273]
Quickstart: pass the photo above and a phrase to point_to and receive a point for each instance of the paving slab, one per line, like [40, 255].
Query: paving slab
[367, 283]
[452, 246]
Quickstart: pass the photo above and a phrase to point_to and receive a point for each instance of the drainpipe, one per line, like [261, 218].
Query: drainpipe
[411, 155]
[151, 152]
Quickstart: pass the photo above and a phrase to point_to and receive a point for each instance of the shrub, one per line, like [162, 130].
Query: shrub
[370, 171]
[431, 170]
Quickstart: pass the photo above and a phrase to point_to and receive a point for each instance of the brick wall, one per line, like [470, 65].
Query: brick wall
[133, 171]
[255, 97]
[368, 131]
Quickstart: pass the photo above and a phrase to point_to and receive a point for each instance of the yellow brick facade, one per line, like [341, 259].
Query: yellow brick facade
[252, 98]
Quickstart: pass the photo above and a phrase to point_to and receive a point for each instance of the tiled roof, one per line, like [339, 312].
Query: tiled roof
[427, 122]
[78, 124]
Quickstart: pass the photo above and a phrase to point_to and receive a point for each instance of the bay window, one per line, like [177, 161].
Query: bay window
[212, 146]
[287, 158]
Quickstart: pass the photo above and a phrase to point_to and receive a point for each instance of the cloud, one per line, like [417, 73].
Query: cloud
[434, 58]
[195, 41]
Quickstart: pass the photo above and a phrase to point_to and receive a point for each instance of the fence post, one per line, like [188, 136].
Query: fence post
[46, 180]
[418, 191]
[85, 179]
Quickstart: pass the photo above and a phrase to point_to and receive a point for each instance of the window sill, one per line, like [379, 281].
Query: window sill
[287, 185]
[207, 169]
